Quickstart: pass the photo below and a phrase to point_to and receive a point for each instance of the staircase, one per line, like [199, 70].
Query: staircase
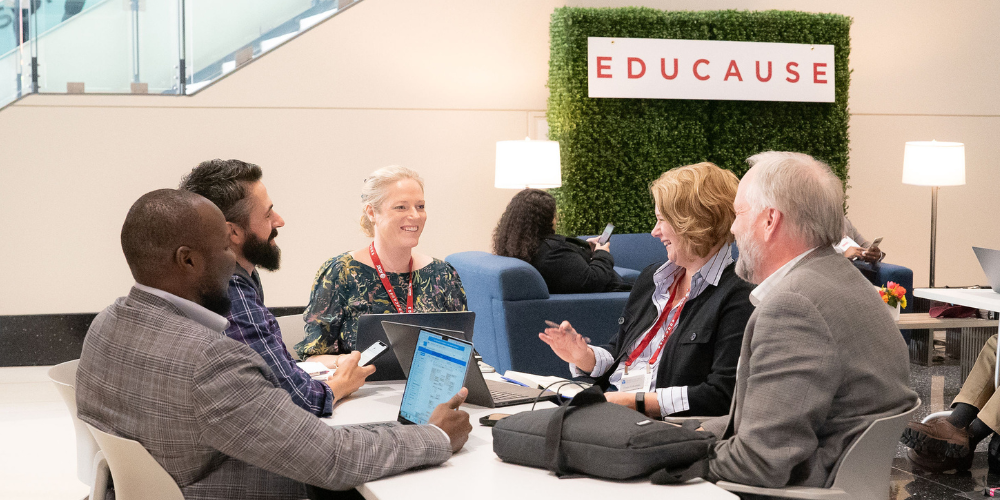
[166, 47]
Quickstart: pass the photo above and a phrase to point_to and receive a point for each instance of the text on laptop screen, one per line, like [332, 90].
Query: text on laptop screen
[436, 374]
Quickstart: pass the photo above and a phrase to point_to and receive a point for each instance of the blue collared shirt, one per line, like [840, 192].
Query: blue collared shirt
[254, 325]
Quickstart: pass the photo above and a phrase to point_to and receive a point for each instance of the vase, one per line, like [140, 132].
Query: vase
[895, 313]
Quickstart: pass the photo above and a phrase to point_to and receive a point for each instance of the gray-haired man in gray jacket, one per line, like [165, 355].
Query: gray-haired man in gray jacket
[821, 358]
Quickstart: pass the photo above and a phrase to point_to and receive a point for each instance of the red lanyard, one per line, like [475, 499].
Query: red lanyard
[659, 323]
[388, 286]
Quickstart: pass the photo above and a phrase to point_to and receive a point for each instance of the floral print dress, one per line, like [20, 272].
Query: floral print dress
[346, 289]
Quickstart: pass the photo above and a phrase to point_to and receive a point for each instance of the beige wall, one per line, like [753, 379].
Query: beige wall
[433, 85]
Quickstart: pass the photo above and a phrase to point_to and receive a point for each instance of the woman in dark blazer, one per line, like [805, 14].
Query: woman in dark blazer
[526, 231]
[680, 334]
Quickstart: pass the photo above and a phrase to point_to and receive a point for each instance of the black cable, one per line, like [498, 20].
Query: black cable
[562, 383]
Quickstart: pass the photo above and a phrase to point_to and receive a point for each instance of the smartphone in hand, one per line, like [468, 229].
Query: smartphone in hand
[372, 353]
[606, 235]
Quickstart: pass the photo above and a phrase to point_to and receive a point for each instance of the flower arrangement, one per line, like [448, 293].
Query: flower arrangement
[893, 294]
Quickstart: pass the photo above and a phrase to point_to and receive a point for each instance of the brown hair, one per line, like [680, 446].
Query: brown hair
[522, 226]
[697, 201]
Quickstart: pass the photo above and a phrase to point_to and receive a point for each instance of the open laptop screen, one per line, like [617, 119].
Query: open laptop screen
[437, 374]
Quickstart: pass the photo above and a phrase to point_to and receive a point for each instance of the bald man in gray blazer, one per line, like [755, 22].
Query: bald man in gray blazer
[821, 358]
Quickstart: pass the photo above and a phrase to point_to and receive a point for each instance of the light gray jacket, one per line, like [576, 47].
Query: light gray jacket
[210, 411]
[821, 360]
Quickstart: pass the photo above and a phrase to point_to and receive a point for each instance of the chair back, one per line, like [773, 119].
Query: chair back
[489, 281]
[863, 472]
[292, 331]
[635, 250]
[63, 376]
[865, 469]
[136, 474]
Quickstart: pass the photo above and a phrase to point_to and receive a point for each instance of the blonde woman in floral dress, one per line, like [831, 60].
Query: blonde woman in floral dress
[348, 286]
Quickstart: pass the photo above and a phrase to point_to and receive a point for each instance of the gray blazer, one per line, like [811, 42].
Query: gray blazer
[821, 360]
[210, 411]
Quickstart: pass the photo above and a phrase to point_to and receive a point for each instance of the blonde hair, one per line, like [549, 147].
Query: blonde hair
[376, 189]
[697, 201]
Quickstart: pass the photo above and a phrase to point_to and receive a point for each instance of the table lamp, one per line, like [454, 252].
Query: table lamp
[528, 164]
[935, 164]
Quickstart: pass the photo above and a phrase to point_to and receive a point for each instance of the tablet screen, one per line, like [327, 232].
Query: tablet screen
[436, 374]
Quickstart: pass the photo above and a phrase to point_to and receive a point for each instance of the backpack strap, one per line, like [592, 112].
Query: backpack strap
[553, 433]
[679, 475]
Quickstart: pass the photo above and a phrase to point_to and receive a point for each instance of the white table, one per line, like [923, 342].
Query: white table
[979, 298]
[475, 471]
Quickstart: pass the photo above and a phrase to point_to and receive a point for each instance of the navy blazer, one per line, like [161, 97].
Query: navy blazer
[703, 350]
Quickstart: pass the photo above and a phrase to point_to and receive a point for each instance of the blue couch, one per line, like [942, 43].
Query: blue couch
[512, 302]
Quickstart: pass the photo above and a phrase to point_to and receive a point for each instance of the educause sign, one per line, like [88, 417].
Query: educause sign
[709, 69]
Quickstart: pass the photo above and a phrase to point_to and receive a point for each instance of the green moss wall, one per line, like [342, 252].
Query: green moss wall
[613, 148]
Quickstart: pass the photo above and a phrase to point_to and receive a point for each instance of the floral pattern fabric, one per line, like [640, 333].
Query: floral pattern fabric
[345, 289]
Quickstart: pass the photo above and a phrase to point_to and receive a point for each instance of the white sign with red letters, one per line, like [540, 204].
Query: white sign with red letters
[709, 69]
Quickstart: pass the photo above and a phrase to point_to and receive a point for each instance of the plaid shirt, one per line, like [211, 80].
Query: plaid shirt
[252, 324]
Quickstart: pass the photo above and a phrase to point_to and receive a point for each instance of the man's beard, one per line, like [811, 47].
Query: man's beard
[216, 301]
[748, 265]
[262, 253]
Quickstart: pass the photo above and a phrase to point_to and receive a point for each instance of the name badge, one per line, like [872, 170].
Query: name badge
[639, 378]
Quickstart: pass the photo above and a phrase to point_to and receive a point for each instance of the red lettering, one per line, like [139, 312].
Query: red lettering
[641, 65]
[788, 67]
[733, 70]
[817, 73]
[768, 72]
[663, 69]
[602, 67]
[695, 69]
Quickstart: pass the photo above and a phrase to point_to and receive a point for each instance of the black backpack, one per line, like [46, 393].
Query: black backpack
[590, 436]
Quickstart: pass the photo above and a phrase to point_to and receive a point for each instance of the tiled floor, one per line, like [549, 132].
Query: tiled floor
[38, 459]
[938, 385]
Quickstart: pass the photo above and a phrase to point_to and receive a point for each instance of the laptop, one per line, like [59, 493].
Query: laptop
[990, 261]
[404, 340]
[437, 372]
[370, 331]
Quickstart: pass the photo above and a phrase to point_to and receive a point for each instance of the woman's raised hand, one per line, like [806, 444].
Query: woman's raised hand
[570, 346]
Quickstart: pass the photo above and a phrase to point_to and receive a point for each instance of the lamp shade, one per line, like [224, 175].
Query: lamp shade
[528, 163]
[932, 163]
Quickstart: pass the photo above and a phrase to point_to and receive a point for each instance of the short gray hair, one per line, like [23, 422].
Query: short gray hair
[376, 190]
[804, 190]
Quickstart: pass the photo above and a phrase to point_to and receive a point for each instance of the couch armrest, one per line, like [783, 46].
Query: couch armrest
[505, 278]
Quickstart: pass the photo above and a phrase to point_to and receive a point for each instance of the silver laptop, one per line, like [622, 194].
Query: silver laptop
[990, 261]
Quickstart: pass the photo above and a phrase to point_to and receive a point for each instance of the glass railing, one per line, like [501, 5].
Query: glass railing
[173, 47]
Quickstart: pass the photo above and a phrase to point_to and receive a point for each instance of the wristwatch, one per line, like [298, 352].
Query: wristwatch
[640, 402]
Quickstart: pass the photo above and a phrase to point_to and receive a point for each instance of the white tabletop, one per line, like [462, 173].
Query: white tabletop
[980, 298]
[475, 471]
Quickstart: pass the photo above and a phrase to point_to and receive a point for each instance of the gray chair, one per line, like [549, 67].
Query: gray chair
[864, 470]
[137, 475]
[91, 467]
[292, 331]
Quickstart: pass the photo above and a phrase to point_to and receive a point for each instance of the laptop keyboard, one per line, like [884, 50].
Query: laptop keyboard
[500, 396]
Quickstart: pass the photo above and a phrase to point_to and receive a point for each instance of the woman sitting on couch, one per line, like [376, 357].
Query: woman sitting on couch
[676, 350]
[526, 231]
